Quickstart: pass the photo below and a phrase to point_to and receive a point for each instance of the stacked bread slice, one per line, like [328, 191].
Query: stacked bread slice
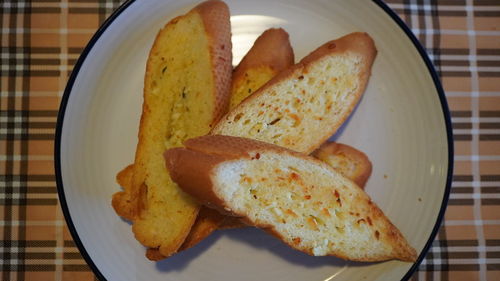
[312, 208]
[186, 87]
[301, 200]
[305, 104]
[295, 107]
[270, 54]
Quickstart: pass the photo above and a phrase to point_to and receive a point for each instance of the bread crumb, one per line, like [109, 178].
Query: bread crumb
[319, 251]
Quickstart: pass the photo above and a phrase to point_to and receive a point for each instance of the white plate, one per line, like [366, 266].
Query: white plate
[402, 123]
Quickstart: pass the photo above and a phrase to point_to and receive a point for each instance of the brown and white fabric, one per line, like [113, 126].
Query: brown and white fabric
[41, 41]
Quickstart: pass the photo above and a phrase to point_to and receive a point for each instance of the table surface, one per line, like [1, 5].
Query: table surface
[41, 41]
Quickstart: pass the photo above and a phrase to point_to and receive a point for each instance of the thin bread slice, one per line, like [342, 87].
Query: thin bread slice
[299, 199]
[270, 54]
[312, 98]
[347, 160]
[124, 179]
[208, 221]
[186, 90]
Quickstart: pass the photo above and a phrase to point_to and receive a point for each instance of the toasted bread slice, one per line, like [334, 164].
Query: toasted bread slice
[186, 90]
[347, 160]
[270, 54]
[206, 223]
[299, 199]
[255, 70]
[201, 229]
[311, 98]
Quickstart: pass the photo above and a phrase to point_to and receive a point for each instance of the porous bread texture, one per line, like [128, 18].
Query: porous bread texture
[186, 90]
[270, 54]
[347, 160]
[299, 107]
[301, 200]
[312, 98]
[309, 206]
[252, 80]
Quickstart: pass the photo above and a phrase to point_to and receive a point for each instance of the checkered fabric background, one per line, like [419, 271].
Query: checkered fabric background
[41, 41]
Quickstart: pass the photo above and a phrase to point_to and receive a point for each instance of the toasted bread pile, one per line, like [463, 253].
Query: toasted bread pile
[290, 109]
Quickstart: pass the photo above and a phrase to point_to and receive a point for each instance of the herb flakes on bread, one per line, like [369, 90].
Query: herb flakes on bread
[347, 160]
[297, 198]
[186, 90]
[304, 105]
[270, 54]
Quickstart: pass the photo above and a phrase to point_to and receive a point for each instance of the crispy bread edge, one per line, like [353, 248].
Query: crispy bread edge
[363, 167]
[272, 48]
[360, 43]
[211, 12]
[205, 153]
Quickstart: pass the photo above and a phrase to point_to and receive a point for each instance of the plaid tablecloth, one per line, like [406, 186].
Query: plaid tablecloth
[41, 41]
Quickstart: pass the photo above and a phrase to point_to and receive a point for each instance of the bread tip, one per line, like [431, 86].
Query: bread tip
[369, 40]
[411, 255]
[209, 3]
[276, 30]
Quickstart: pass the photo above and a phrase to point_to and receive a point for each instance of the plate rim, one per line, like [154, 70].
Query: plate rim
[449, 132]
[76, 69]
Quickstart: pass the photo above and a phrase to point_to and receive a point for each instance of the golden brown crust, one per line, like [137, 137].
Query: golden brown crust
[202, 154]
[208, 221]
[124, 177]
[351, 156]
[180, 160]
[272, 49]
[231, 223]
[358, 43]
[205, 153]
[119, 203]
[131, 201]
[215, 15]
[153, 254]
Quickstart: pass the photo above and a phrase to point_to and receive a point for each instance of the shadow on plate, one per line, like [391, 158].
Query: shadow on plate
[126, 221]
[261, 240]
[181, 260]
[257, 239]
